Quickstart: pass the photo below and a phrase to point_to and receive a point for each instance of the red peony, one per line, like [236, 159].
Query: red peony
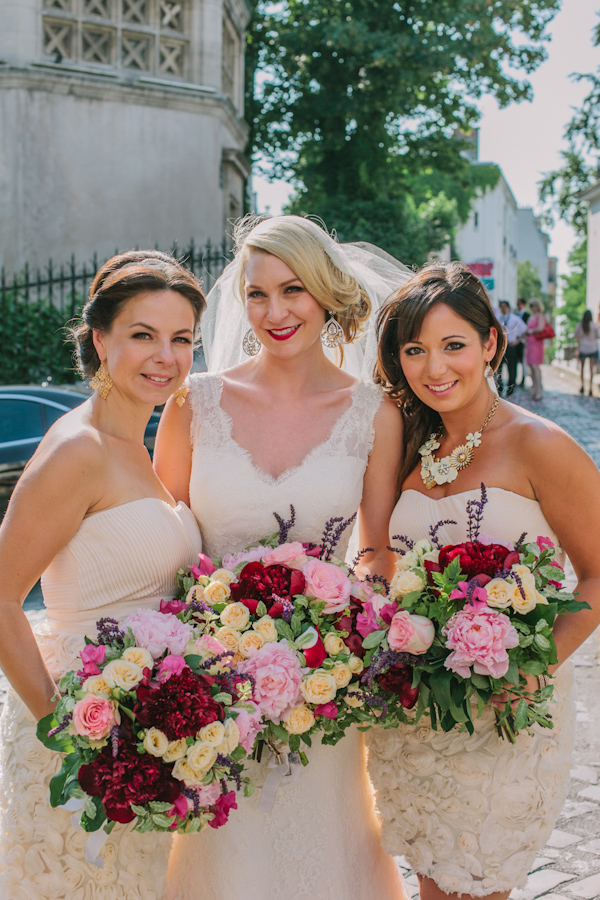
[398, 680]
[258, 583]
[475, 558]
[128, 778]
[179, 707]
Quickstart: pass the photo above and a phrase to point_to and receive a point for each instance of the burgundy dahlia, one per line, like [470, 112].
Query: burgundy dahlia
[179, 707]
[475, 558]
[268, 584]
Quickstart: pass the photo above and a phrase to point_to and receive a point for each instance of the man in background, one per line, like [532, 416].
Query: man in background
[513, 326]
[523, 313]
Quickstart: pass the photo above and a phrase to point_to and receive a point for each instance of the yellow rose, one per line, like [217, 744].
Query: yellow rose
[229, 637]
[156, 743]
[213, 733]
[217, 592]
[224, 576]
[97, 685]
[524, 604]
[122, 674]
[232, 735]
[184, 772]
[405, 582]
[300, 719]
[139, 656]
[266, 629]
[351, 699]
[356, 665]
[318, 687]
[235, 615]
[175, 750]
[195, 593]
[250, 643]
[500, 593]
[334, 644]
[201, 756]
[342, 674]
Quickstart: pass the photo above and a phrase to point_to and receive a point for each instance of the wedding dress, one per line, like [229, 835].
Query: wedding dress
[119, 559]
[472, 811]
[321, 839]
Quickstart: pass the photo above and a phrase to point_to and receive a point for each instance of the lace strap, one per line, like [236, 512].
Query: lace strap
[355, 432]
[205, 398]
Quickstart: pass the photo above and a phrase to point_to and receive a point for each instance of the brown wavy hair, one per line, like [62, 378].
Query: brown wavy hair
[400, 321]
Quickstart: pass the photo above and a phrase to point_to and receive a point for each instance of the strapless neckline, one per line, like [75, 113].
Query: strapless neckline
[129, 503]
[471, 491]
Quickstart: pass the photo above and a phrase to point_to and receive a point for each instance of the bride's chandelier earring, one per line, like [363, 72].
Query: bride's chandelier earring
[102, 382]
[180, 394]
[489, 372]
[251, 344]
[332, 333]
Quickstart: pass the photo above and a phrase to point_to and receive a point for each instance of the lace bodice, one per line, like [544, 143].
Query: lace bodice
[234, 501]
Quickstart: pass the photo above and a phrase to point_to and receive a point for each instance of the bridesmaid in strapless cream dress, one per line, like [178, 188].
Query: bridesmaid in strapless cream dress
[470, 812]
[90, 516]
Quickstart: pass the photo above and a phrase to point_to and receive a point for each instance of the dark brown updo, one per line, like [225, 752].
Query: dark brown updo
[400, 322]
[121, 279]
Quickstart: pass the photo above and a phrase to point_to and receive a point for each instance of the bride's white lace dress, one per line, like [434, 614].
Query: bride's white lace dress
[321, 839]
[118, 560]
[472, 811]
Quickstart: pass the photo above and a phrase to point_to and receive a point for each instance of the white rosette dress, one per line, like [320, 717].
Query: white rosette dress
[472, 811]
[119, 560]
[321, 839]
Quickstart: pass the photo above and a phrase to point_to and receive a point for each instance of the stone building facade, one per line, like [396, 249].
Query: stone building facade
[121, 124]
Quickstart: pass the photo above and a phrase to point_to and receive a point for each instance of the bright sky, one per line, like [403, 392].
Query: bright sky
[524, 139]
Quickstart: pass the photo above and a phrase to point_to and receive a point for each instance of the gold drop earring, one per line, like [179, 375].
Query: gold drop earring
[102, 382]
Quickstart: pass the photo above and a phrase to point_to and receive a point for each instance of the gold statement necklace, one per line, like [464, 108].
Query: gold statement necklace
[443, 471]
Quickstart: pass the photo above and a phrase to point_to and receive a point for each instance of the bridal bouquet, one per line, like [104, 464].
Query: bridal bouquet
[153, 724]
[281, 608]
[464, 622]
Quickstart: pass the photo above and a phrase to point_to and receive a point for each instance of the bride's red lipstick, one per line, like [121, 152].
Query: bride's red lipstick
[283, 337]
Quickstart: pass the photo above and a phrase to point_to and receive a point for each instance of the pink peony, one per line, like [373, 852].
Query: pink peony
[249, 725]
[92, 657]
[157, 632]
[93, 717]
[277, 675]
[208, 794]
[171, 665]
[325, 581]
[479, 638]
[328, 710]
[231, 560]
[410, 633]
[285, 555]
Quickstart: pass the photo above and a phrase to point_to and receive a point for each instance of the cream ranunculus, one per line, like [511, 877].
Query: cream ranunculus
[342, 673]
[232, 735]
[139, 656]
[318, 687]
[250, 643]
[156, 743]
[235, 615]
[175, 750]
[201, 756]
[229, 637]
[266, 628]
[351, 699]
[334, 644]
[96, 684]
[122, 674]
[405, 582]
[356, 665]
[299, 720]
[524, 604]
[224, 576]
[213, 733]
[500, 593]
[217, 592]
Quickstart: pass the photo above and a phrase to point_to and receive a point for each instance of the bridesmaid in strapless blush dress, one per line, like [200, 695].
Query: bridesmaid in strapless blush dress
[90, 516]
[470, 812]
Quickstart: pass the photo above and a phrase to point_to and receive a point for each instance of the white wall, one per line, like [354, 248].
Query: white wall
[532, 244]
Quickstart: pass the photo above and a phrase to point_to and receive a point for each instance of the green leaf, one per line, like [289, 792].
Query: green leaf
[441, 681]
[261, 609]
[238, 754]
[284, 630]
[294, 742]
[94, 823]
[542, 642]
[512, 674]
[533, 667]
[521, 715]
[162, 821]
[306, 738]
[374, 639]
[224, 698]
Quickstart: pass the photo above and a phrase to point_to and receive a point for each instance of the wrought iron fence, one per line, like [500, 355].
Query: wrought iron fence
[36, 307]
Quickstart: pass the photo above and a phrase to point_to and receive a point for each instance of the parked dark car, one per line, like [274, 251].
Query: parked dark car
[27, 412]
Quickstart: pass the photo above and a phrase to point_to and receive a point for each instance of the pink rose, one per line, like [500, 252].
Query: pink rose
[93, 717]
[249, 725]
[285, 555]
[157, 632]
[92, 657]
[544, 543]
[410, 633]
[231, 560]
[206, 643]
[221, 809]
[171, 665]
[172, 606]
[328, 710]
[277, 675]
[479, 638]
[325, 581]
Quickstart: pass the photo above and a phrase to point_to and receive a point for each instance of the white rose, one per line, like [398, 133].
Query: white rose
[422, 547]
[175, 750]
[299, 720]
[139, 656]
[524, 604]
[184, 772]
[318, 687]
[216, 592]
[356, 665]
[201, 756]
[156, 743]
[250, 643]
[229, 637]
[122, 674]
[224, 576]
[97, 685]
[232, 735]
[266, 628]
[235, 615]
[341, 673]
[407, 561]
[212, 733]
[500, 593]
[195, 593]
[405, 582]
[334, 644]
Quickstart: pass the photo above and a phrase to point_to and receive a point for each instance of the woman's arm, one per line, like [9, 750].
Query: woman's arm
[379, 491]
[173, 451]
[46, 509]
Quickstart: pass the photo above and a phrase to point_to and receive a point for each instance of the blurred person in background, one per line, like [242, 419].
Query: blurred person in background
[587, 334]
[513, 327]
[523, 313]
[534, 348]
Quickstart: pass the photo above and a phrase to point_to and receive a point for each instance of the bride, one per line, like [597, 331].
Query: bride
[90, 516]
[470, 812]
[288, 427]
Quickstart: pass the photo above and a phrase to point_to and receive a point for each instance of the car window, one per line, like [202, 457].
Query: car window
[51, 414]
[19, 420]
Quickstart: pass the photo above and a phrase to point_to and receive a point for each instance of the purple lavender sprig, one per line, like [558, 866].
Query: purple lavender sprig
[475, 510]
[192, 795]
[378, 579]
[519, 585]
[408, 543]
[288, 608]
[213, 660]
[61, 725]
[235, 771]
[382, 660]
[199, 606]
[285, 526]
[433, 536]
[520, 541]
[357, 559]
[373, 700]
[109, 631]
[332, 533]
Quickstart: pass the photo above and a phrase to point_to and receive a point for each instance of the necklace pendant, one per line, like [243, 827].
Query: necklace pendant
[430, 482]
[461, 457]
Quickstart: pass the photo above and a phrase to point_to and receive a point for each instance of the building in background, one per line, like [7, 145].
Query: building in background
[592, 197]
[121, 125]
[532, 245]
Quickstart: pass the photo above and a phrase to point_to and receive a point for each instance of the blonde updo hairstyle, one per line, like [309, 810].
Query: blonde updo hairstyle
[119, 280]
[300, 244]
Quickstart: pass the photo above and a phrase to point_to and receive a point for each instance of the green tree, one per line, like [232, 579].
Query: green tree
[574, 287]
[366, 105]
[529, 284]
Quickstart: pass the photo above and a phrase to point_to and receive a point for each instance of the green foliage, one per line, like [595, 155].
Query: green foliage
[33, 344]
[529, 284]
[574, 287]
